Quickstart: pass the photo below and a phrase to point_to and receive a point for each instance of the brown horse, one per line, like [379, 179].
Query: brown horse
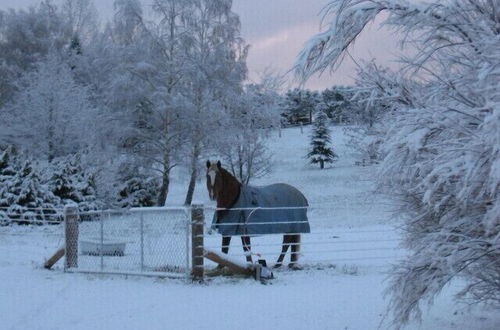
[280, 208]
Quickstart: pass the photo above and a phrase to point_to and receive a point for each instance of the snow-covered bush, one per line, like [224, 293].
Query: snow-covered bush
[71, 182]
[136, 189]
[441, 152]
[7, 172]
[24, 199]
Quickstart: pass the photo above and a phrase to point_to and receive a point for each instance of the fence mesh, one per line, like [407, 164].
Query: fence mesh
[138, 241]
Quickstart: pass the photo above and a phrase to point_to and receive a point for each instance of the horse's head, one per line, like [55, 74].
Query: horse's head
[214, 179]
[222, 186]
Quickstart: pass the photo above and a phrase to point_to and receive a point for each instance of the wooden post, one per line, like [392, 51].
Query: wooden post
[71, 234]
[197, 219]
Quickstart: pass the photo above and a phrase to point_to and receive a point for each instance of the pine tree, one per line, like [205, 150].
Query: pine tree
[26, 198]
[320, 140]
[68, 180]
[137, 188]
[7, 161]
[138, 192]
[7, 173]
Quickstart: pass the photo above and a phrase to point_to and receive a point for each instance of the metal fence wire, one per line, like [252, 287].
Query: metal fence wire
[139, 241]
[173, 242]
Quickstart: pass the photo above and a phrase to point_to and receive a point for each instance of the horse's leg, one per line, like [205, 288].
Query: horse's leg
[284, 248]
[226, 240]
[245, 241]
[295, 240]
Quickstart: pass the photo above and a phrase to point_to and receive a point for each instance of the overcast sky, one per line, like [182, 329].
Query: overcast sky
[277, 30]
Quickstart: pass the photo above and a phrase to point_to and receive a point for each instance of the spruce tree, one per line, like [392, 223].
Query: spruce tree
[69, 181]
[27, 198]
[7, 173]
[321, 152]
[136, 188]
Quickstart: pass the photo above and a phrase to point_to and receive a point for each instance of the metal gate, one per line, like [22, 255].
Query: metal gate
[138, 241]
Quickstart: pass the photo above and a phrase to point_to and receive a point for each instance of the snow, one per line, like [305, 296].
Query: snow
[335, 290]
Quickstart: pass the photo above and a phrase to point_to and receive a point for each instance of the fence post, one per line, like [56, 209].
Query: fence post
[71, 235]
[142, 242]
[197, 219]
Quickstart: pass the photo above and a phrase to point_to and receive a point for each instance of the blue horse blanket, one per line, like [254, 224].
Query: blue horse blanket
[250, 215]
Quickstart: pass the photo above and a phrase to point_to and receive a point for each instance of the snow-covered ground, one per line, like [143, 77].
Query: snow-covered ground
[346, 258]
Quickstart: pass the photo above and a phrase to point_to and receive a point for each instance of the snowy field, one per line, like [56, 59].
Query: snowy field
[341, 286]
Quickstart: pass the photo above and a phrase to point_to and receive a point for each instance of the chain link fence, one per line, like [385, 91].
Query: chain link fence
[142, 241]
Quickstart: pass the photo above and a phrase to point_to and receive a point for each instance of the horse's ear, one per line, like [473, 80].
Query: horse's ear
[219, 165]
[208, 164]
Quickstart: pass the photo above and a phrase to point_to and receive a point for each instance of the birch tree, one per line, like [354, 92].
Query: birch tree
[215, 69]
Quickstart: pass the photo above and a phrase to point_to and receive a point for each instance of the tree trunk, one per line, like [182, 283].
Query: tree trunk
[165, 182]
[192, 184]
[51, 133]
[194, 176]
[321, 163]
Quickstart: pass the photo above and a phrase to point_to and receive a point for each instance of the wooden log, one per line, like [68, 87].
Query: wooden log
[248, 271]
[55, 258]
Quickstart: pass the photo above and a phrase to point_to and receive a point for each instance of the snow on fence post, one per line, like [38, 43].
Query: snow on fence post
[197, 255]
[71, 235]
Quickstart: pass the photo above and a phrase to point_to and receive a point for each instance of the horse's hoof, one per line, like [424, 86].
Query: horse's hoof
[277, 266]
[294, 267]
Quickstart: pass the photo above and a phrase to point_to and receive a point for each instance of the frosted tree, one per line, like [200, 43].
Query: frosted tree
[249, 121]
[8, 169]
[145, 85]
[441, 153]
[26, 36]
[299, 105]
[137, 188]
[337, 103]
[52, 115]
[26, 199]
[214, 70]
[321, 151]
[68, 180]
[82, 19]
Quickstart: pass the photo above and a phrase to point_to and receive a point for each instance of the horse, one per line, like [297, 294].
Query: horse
[245, 211]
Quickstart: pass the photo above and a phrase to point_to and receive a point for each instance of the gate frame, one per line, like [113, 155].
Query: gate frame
[194, 231]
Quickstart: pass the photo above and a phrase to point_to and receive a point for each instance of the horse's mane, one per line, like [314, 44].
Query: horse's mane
[231, 190]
